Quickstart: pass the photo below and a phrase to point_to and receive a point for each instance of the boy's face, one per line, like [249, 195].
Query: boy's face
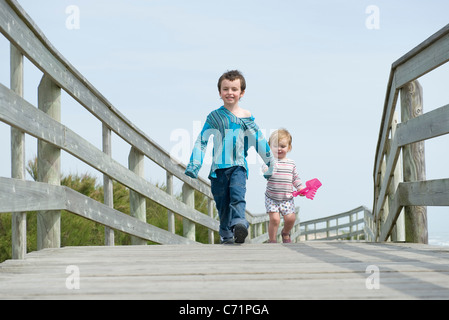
[231, 92]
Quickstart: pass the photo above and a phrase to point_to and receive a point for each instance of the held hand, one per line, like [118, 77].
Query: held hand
[267, 173]
[267, 176]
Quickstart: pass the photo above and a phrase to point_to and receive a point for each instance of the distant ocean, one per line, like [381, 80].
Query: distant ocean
[439, 239]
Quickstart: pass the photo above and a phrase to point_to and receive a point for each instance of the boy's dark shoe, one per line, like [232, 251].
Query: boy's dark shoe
[240, 233]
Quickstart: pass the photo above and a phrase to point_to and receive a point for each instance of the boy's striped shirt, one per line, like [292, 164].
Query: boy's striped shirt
[232, 137]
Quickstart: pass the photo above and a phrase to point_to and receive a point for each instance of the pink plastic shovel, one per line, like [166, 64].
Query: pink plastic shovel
[310, 189]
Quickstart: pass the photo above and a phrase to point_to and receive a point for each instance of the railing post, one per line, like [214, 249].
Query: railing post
[351, 228]
[398, 233]
[48, 166]
[414, 164]
[383, 212]
[267, 225]
[188, 197]
[108, 189]
[137, 205]
[258, 230]
[170, 214]
[18, 227]
[337, 229]
[210, 211]
[368, 227]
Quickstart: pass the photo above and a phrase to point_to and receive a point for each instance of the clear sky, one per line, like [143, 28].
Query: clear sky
[318, 68]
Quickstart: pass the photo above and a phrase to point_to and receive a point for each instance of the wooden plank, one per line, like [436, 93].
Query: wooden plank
[49, 166]
[387, 118]
[418, 193]
[424, 61]
[108, 189]
[398, 233]
[336, 216]
[413, 163]
[98, 212]
[137, 202]
[170, 215]
[425, 193]
[21, 195]
[310, 270]
[255, 219]
[18, 221]
[423, 45]
[188, 197]
[391, 162]
[429, 125]
[19, 113]
[336, 227]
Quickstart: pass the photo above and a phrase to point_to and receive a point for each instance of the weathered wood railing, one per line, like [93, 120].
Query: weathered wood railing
[401, 183]
[47, 196]
[343, 226]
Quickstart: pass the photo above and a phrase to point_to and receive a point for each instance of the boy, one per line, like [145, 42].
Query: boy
[234, 132]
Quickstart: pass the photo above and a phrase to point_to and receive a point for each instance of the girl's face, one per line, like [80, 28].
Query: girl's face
[231, 92]
[280, 148]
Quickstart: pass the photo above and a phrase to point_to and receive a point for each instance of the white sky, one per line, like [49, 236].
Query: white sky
[312, 67]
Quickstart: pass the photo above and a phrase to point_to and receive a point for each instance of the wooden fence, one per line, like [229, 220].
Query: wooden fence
[343, 226]
[400, 184]
[46, 196]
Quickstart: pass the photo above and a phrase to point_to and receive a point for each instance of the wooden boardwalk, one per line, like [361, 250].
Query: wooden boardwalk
[308, 270]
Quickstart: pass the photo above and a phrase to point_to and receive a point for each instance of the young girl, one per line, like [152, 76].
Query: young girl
[278, 196]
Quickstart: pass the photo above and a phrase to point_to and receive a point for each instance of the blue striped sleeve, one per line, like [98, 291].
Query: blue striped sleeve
[198, 152]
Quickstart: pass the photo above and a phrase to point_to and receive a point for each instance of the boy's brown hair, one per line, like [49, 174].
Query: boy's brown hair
[231, 76]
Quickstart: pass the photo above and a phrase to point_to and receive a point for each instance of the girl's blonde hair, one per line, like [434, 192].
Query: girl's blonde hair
[280, 134]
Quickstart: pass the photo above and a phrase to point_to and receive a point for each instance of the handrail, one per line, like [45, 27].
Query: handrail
[391, 193]
[43, 196]
[45, 57]
[330, 228]
[27, 40]
[49, 197]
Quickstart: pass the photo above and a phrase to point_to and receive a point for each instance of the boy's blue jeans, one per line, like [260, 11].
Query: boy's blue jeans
[229, 189]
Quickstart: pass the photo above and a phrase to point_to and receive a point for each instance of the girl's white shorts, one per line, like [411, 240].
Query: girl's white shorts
[283, 207]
